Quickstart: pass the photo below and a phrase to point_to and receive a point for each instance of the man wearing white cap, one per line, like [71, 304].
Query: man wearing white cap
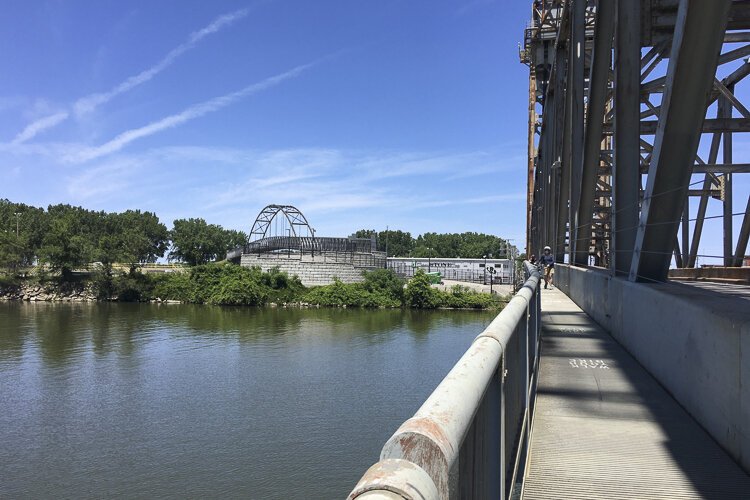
[547, 261]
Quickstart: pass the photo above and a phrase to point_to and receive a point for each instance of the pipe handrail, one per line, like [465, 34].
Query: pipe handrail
[433, 439]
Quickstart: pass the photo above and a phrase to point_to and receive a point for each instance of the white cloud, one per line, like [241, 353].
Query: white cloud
[105, 180]
[188, 114]
[331, 186]
[37, 126]
[89, 103]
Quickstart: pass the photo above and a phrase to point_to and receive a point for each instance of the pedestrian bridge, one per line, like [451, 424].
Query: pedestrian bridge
[595, 389]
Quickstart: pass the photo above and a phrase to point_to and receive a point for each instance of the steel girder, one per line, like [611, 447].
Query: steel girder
[586, 175]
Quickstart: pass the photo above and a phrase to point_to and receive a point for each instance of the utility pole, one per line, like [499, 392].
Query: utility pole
[17, 214]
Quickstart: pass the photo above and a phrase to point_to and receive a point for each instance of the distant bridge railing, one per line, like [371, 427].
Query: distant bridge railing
[304, 244]
[469, 439]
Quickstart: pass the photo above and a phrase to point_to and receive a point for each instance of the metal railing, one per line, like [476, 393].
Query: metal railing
[305, 244]
[469, 439]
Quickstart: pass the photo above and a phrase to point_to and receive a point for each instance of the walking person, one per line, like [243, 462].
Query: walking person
[547, 261]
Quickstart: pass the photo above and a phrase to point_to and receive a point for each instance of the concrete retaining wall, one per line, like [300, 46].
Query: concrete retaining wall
[312, 271]
[691, 340]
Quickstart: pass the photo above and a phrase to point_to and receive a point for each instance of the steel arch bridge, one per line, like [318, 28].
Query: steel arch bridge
[293, 216]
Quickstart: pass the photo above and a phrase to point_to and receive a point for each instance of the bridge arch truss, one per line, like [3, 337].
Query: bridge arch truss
[296, 220]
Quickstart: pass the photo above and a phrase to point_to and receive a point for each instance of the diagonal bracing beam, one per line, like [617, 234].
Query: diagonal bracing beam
[698, 36]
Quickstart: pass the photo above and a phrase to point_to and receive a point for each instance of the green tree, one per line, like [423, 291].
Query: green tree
[398, 243]
[234, 239]
[70, 239]
[195, 242]
[384, 281]
[143, 238]
[419, 294]
[22, 228]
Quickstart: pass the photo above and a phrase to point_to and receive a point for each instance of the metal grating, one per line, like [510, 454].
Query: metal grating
[604, 428]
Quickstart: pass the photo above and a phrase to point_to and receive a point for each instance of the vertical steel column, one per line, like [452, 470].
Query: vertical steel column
[562, 209]
[727, 159]
[577, 81]
[677, 253]
[560, 173]
[685, 233]
[532, 154]
[547, 157]
[598, 79]
[627, 158]
[698, 37]
[743, 237]
[542, 168]
[703, 204]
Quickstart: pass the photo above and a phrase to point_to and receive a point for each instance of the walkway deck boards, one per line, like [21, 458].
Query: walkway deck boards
[604, 428]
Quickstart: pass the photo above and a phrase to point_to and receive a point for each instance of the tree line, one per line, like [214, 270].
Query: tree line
[467, 245]
[66, 237]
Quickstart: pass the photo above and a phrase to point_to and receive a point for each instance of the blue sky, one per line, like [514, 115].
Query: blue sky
[410, 114]
[403, 113]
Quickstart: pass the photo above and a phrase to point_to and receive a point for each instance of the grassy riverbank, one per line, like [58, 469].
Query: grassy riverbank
[226, 284]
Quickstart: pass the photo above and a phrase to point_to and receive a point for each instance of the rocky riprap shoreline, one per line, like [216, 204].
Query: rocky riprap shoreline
[38, 293]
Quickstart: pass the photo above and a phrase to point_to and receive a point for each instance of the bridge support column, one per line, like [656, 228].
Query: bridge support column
[626, 181]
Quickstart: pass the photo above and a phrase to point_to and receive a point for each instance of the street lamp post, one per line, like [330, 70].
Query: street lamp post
[17, 214]
[288, 243]
[484, 275]
[429, 259]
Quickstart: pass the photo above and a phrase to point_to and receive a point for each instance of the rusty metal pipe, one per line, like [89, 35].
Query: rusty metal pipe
[394, 479]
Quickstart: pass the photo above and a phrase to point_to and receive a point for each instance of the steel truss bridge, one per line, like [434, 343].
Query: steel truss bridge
[633, 106]
[617, 382]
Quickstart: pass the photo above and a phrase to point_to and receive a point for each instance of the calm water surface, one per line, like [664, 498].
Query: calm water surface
[176, 401]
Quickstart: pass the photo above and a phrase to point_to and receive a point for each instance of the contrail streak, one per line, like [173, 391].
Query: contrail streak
[188, 114]
[34, 128]
[89, 103]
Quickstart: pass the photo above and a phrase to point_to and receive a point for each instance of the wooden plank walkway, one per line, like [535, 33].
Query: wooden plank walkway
[604, 428]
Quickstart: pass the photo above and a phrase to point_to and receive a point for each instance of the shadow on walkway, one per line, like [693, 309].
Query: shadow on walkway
[604, 428]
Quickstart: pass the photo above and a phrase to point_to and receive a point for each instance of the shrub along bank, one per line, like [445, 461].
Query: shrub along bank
[228, 284]
[383, 288]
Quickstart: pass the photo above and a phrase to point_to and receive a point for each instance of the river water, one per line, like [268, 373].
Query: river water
[182, 401]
